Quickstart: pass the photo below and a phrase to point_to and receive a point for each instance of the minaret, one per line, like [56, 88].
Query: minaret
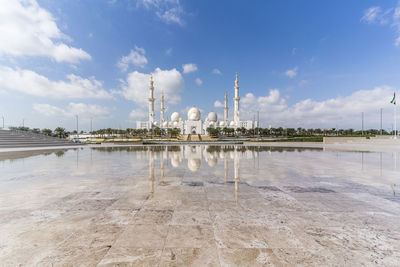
[162, 108]
[151, 102]
[226, 109]
[236, 118]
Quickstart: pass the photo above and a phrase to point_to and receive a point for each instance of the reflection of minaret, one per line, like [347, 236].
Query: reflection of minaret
[162, 110]
[236, 118]
[226, 108]
[237, 176]
[151, 101]
[162, 167]
[226, 169]
[151, 173]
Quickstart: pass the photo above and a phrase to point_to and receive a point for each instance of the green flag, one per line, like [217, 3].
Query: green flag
[394, 99]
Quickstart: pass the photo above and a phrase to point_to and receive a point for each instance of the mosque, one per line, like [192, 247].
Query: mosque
[193, 124]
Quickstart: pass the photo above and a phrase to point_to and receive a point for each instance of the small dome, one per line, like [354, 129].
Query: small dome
[156, 123]
[232, 123]
[175, 124]
[175, 116]
[212, 123]
[165, 124]
[222, 123]
[193, 114]
[212, 116]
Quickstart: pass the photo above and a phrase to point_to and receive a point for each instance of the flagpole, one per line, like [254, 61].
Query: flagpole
[395, 121]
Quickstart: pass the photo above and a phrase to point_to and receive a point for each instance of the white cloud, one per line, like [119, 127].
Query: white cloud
[217, 71]
[371, 14]
[32, 83]
[136, 86]
[71, 110]
[390, 16]
[198, 81]
[136, 57]
[172, 15]
[294, 50]
[168, 52]
[29, 30]
[302, 83]
[292, 72]
[169, 11]
[138, 114]
[218, 104]
[344, 112]
[190, 67]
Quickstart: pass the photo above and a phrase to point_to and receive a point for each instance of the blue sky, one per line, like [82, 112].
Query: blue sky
[300, 63]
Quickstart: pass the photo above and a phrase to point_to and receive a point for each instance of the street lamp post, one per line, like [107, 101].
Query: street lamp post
[3, 121]
[23, 123]
[362, 123]
[77, 127]
[381, 121]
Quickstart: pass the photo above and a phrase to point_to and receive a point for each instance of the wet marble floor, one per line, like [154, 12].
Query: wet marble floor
[199, 206]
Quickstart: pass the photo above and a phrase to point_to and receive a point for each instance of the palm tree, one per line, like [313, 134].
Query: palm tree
[174, 132]
[60, 132]
[46, 131]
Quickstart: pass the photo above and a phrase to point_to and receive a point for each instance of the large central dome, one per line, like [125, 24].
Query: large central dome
[193, 114]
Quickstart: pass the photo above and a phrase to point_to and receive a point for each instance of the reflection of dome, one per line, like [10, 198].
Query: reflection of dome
[194, 164]
[232, 123]
[212, 162]
[222, 123]
[212, 116]
[175, 117]
[165, 124]
[175, 162]
[193, 114]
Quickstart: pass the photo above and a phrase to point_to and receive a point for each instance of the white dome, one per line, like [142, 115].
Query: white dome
[165, 124]
[193, 114]
[212, 116]
[175, 116]
[232, 123]
[221, 123]
[175, 124]
[212, 123]
[194, 164]
[156, 123]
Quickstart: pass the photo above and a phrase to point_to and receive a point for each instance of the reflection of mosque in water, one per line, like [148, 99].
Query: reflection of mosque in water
[194, 156]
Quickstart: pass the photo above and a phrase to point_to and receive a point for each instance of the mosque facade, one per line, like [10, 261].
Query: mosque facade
[193, 124]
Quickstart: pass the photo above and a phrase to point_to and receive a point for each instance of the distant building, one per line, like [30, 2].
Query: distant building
[194, 124]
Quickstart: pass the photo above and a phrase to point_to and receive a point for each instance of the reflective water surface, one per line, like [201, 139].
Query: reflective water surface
[199, 205]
